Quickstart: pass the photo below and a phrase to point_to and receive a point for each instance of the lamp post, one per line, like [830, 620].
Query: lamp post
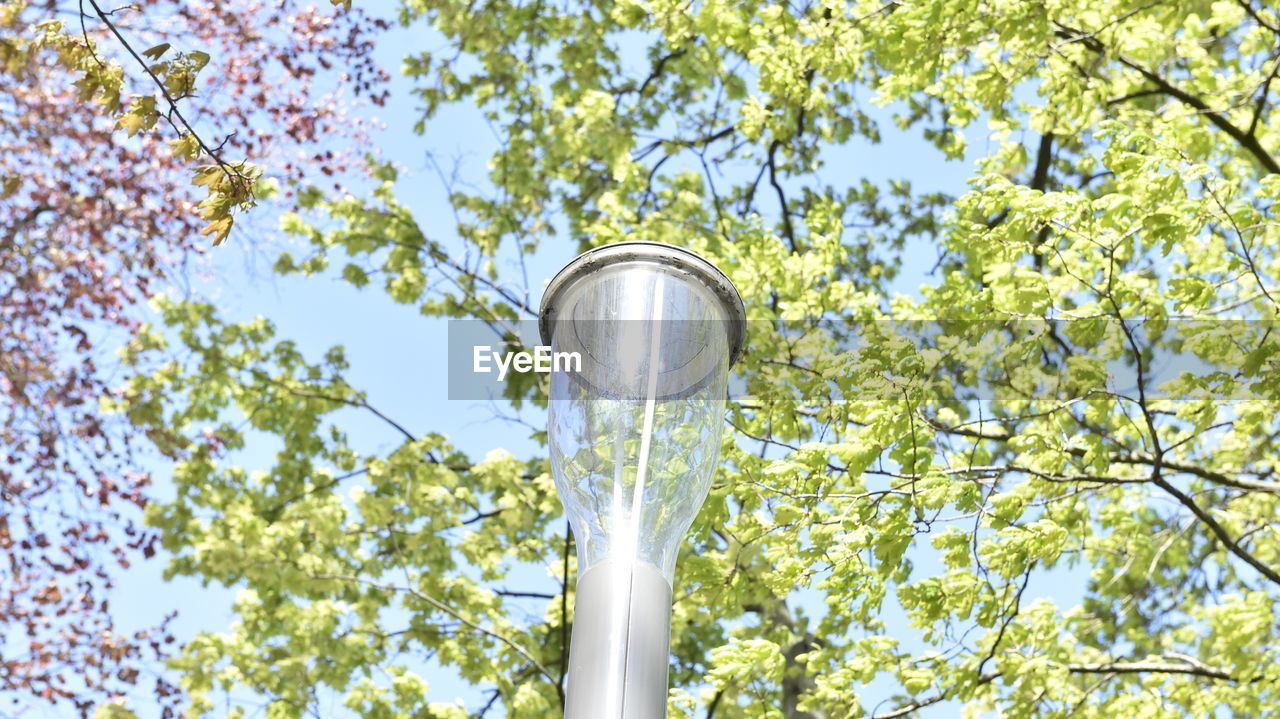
[634, 434]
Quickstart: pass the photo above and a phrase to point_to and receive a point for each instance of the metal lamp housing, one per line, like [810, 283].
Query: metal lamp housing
[634, 434]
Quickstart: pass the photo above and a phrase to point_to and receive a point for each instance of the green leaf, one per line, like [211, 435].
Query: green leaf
[156, 52]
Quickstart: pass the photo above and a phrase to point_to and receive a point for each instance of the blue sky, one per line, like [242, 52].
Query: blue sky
[393, 350]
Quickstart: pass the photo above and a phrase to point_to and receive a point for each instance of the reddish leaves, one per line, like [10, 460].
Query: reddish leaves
[92, 223]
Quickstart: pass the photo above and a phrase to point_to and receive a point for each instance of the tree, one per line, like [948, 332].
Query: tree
[99, 151]
[969, 444]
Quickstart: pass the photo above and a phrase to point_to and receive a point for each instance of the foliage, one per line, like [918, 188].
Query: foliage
[1121, 211]
[98, 210]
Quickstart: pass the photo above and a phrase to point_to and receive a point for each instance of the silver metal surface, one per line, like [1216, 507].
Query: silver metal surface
[621, 638]
[685, 262]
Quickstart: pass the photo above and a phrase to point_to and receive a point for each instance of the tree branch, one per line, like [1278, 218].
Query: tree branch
[564, 614]
[1243, 138]
[787, 228]
[1197, 669]
[1120, 457]
[1248, 7]
[524, 653]
[1218, 530]
[1263, 93]
[1186, 667]
[229, 170]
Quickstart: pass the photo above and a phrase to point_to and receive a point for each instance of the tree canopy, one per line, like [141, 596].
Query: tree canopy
[1120, 214]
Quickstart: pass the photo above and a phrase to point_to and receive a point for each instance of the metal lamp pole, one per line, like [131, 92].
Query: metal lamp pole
[634, 433]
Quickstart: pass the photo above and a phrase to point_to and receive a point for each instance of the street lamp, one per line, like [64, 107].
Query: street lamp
[634, 432]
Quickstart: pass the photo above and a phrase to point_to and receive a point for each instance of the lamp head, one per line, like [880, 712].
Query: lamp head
[635, 431]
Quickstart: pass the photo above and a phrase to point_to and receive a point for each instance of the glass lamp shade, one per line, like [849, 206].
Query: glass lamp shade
[634, 433]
